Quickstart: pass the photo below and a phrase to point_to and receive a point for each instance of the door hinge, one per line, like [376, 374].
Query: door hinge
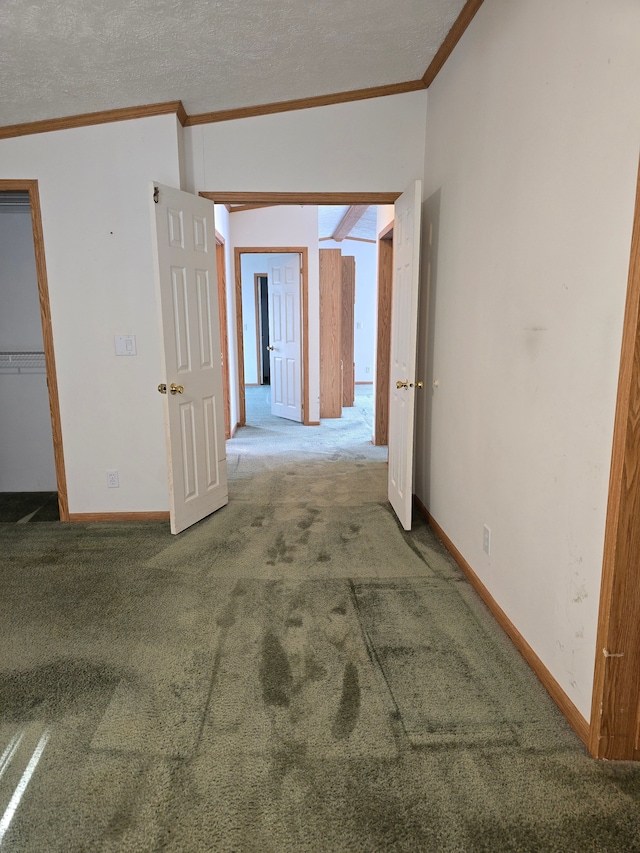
[156, 193]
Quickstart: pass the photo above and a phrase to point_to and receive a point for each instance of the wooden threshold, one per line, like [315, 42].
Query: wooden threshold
[91, 517]
[569, 710]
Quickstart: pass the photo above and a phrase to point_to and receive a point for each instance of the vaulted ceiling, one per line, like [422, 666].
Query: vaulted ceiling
[69, 57]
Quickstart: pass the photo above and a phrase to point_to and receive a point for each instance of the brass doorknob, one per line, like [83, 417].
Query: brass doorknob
[402, 384]
[176, 389]
[417, 385]
[162, 388]
[270, 348]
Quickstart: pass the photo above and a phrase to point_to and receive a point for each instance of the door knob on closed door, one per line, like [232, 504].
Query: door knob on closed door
[400, 384]
[176, 389]
[270, 348]
[417, 385]
[162, 388]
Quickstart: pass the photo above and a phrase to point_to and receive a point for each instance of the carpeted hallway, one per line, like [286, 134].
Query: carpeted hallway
[295, 673]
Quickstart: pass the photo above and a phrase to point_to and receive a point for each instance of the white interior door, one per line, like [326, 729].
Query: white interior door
[285, 348]
[193, 405]
[404, 329]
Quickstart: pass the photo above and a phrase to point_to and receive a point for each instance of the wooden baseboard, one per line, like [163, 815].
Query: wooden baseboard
[364, 383]
[90, 517]
[312, 423]
[572, 714]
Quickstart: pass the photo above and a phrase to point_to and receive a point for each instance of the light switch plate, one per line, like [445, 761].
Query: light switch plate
[125, 344]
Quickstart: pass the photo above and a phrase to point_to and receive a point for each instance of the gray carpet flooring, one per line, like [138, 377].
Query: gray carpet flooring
[294, 673]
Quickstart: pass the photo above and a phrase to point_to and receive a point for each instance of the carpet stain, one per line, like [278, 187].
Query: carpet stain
[280, 552]
[349, 708]
[52, 690]
[275, 674]
[323, 557]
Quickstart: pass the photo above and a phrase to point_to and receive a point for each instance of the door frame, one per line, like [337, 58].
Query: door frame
[383, 335]
[259, 359]
[224, 331]
[31, 186]
[615, 710]
[262, 199]
[303, 251]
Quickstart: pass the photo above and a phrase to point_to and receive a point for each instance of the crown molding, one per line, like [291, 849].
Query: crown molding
[452, 38]
[124, 114]
[306, 103]
[88, 119]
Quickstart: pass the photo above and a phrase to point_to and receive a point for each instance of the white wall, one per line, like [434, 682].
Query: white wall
[364, 145]
[532, 153]
[384, 217]
[288, 226]
[26, 445]
[366, 255]
[94, 192]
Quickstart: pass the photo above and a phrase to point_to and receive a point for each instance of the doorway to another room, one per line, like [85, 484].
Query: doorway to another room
[32, 483]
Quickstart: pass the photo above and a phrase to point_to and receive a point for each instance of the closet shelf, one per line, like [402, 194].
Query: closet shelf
[22, 362]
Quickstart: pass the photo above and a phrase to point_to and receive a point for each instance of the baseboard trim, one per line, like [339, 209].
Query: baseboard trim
[312, 423]
[235, 429]
[363, 383]
[572, 714]
[90, 517]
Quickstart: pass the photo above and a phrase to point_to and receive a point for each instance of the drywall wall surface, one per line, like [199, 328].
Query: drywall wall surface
[362, 146]
[384, 217]
[26, 445]
[289, 226]
[94, 185]
[364, 317]
[533, 135]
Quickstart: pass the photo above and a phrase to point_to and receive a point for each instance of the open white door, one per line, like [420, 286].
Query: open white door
[193, 406]
[285, 349]
[404, 329]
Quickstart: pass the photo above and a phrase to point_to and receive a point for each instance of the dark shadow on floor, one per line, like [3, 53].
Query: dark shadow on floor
[28, 506]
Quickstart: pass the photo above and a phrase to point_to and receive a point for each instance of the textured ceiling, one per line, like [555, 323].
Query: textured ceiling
[67, 57]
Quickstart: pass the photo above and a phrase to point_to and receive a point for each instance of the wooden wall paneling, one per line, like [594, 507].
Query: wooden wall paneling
[330, 333]
[383, 339]
[224, 335]
[616, 690]
[348, 311]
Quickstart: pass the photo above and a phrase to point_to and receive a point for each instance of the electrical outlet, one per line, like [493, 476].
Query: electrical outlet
[113, 480]
[486, 540]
